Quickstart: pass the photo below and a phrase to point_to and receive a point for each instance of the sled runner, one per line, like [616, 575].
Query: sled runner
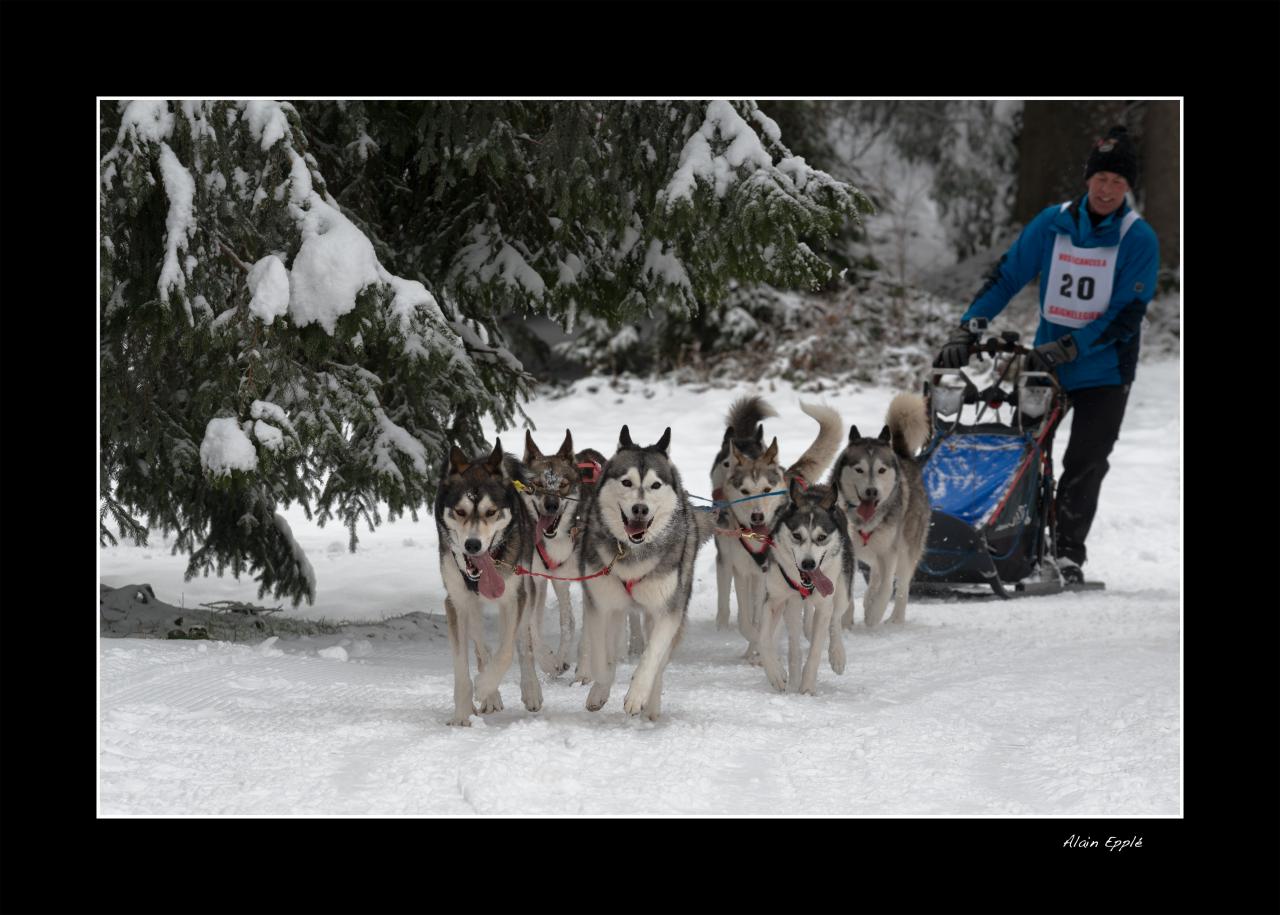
[990, 480]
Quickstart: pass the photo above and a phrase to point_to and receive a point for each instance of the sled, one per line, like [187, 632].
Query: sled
[990, 481]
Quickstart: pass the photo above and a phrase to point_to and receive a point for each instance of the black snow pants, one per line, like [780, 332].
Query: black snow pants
[1094, 431]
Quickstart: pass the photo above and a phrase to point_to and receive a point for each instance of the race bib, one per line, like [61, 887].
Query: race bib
[1080, 279]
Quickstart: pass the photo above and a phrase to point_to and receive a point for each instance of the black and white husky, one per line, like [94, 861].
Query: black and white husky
[882, 487]
[741, 541]
[555, 498]
[640, 526]
[812, 568]
[485, 531]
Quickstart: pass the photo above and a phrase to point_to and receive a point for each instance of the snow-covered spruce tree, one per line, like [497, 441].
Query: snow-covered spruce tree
[618, 210]
[300, 303]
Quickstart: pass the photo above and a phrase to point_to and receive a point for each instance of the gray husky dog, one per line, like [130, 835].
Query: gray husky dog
[812, 567]
[744, 549]
[743, 433]
[555, 498]
[641, 528]
[880, 482]
[485, 531]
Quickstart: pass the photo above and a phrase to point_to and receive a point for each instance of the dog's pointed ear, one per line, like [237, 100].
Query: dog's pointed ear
[736, 456]
[771, 453]
[494, 463]
[665, 442]
[795, 490]
[566, 450]
[624, 438]
[760, 433]
[853, 434]
[828, 499]
[728, 435]
[531, 452]
[458, 462]
[884, 434]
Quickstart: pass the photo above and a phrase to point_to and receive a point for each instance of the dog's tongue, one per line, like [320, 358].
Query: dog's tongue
[821, 582]
[866, 508]
[491, 585]
[633, 527]
[544, 522]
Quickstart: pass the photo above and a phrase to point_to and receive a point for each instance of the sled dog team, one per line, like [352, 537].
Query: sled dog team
[625, 530]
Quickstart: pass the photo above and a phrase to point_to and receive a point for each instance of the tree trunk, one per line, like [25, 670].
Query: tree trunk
[1159, 180]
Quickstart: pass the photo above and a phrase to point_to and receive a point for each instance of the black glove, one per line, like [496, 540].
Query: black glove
[1048, 356]
[955, 352]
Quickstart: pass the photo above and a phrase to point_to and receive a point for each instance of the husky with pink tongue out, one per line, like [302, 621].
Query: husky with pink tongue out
[485, 532]
[811, 566]
[882, 491]
[638, 549]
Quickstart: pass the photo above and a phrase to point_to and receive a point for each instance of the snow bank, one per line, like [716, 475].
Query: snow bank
[226, 448]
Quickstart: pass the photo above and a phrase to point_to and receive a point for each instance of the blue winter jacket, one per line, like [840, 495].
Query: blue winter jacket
[1108, 345]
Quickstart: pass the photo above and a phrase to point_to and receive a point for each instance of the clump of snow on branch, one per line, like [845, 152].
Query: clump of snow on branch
[700, 161]
[180, 188]
[269, 288]
[299, 554]
[226, 448]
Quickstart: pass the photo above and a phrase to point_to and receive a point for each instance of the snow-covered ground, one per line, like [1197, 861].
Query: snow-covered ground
[1066, 705]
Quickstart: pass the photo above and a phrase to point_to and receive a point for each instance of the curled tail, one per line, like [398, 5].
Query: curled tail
[908, 421]
[824, 447]
[747, 413]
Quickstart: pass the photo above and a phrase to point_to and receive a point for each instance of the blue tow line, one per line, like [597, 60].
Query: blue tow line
[717, 504]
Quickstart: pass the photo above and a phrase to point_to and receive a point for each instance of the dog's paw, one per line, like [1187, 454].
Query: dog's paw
[532, 703]
[633, 704]
[491, 703]
[597, 697]
[754, 660]
[837, 660]
[580, 678]
[460, 721]
[777, 679]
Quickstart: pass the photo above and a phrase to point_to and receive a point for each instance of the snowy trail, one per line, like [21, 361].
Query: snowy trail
[1055, 705]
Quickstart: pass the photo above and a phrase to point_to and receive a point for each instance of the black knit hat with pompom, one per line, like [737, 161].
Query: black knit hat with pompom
[1114, 153]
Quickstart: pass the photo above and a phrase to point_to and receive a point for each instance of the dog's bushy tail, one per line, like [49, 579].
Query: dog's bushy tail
[747, 413]
[908, 421]
[830, 437]
[704, 522]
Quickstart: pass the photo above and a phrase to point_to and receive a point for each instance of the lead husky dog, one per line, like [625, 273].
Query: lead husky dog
[553, 497]
[880, 482]
[641, 527]
[746, 550]
[812, 565]
[485, 531]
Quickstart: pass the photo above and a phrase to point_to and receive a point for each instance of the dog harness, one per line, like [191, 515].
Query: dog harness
[594, 468]
[761, 558]
[547, 560]
[803, 591]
